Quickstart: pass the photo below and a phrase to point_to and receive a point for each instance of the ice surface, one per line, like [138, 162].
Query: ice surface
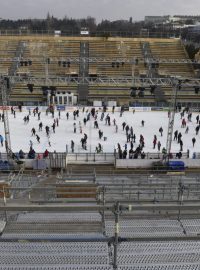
[21, 133]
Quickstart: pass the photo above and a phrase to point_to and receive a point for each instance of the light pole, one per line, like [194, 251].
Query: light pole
[46, 63]
[176, 87]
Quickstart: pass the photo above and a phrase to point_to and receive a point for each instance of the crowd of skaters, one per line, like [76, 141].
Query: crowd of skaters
[133, 148]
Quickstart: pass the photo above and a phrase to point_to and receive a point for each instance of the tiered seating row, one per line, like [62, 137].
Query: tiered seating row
[56, 267]
[148, 228]
[54, 255]
[51, 236]
[171, 50]
[58, 217]
[190, 266]
[159, 255]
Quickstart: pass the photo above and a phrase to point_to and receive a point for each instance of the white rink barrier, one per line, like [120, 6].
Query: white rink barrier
[34, 164]
[107, 158]
[91, 158]
[99, 108]
[140, 109]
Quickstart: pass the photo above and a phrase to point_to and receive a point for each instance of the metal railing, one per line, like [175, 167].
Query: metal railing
[97, 156]
[105, 34]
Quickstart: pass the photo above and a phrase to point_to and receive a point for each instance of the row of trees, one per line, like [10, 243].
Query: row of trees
[69, 24]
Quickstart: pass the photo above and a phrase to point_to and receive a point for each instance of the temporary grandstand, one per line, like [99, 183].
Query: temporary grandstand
[87, 69]
[115, 220]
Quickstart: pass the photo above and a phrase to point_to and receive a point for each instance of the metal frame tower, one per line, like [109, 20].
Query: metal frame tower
[5, 104]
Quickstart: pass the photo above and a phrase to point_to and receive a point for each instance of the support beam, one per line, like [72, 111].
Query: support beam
[116, 236]
[172, 111]
[125, 208]
[126, 81]
[128, 60]
[4, 82]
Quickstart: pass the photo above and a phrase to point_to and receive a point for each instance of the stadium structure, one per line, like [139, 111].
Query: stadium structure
[87, 69]
[94, 211]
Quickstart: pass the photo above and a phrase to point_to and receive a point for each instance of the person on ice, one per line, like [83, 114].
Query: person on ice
[40, 126]
[113, 109]
[37, 138]
[1, 140]
[33, 131]
[21, 154]
[25, 119]
[53, 127]
[179, 137]
[31, 153]
[47, 130]
[193, 141]
[183, 125]
[100, 134]
[197, 118]
[181, 145]
[176, 135]
[187, 129]
[154, 141]
[72, 146]
[46, 153]
[127, 129]
[74, 114]
[31, 143]
[159, 145]
[197, 130]
[74, 127]
[123, 125]
[161, 131]
[96, 124]
[134, 137]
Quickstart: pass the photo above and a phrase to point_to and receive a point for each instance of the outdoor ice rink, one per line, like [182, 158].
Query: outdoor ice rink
[21, 133]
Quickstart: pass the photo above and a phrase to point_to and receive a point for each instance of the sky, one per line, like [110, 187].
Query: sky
[100, 9]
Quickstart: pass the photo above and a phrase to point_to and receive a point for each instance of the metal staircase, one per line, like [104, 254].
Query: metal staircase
[83, 72]
[19, 54]
[152, 71]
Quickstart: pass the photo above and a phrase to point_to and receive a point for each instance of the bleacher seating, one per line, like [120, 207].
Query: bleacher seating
[57, 267]
[146, 228]
[54, 255]
[58, 217]
[60, 240]
[48, 54]
[8, 48]
[168, 49]
[55, 225]
[155, 255]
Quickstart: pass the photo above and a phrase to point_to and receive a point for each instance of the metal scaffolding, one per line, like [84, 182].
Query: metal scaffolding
[4, 90]
[127, 60]
[105, 80]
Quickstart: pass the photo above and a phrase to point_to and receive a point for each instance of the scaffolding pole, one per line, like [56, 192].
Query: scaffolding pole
[5, 116]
